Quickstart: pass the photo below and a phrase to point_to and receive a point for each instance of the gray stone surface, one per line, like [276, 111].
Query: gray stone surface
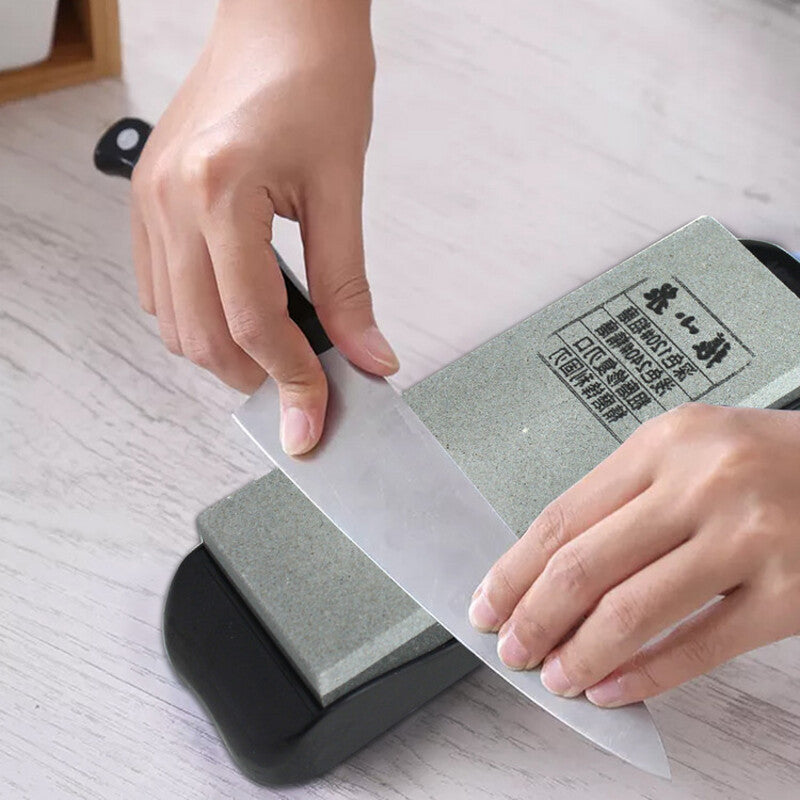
[339, 619]
[520, 418]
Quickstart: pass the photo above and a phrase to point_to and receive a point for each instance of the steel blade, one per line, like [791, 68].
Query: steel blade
[386, 482]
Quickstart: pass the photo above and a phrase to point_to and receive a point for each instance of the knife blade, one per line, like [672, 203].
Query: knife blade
[386, 482]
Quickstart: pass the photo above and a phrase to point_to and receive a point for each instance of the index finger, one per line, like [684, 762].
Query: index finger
[238, 234]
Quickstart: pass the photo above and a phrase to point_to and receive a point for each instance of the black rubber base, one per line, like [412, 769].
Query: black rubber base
[275, 729]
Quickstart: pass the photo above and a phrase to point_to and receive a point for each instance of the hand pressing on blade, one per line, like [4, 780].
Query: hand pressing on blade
[700, 503]
[273, 119]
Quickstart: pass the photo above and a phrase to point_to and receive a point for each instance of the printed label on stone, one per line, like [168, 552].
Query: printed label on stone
[645, 350]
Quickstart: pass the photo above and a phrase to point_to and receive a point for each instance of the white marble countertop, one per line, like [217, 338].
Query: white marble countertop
[512, 140]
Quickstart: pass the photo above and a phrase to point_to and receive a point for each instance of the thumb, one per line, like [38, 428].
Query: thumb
[334, 254]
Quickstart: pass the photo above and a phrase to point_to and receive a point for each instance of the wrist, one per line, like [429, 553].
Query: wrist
[298, 30]
[351, 17]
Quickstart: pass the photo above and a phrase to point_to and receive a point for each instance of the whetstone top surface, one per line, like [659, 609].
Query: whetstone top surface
[694, 317]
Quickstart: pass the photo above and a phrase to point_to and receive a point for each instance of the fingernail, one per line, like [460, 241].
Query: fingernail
[554, 679]
[481, 614]
[295, 431]
[607, 693]
[511, 650]
[379, 349]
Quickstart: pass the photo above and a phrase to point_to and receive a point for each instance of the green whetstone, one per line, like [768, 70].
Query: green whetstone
[694, 317]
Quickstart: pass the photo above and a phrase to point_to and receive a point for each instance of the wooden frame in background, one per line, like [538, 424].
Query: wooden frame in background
[86, 46]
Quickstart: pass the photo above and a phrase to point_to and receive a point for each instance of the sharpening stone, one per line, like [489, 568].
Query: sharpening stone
[693, 317]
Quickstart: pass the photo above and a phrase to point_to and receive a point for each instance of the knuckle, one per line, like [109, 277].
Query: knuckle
[678, 422]
[157, 183]
[308, 383]
[646, 679]
[550, 527]
[205, 168]
[498, 582]
[729, 466]
[692, 414]
[201, 350]
[738, 452]
[497, 579]
[354, 292]
[566, 570]
[766, 516]
[533, 631]
[620, 614]
[257, 332]
[247, 327]
[760, 529]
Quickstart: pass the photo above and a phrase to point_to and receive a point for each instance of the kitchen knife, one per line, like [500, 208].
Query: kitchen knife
[387, 483]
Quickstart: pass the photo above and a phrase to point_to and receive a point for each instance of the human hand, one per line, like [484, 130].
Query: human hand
[699, 502]
[273, 119]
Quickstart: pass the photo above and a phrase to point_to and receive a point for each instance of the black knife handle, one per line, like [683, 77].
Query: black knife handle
[117, 152]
